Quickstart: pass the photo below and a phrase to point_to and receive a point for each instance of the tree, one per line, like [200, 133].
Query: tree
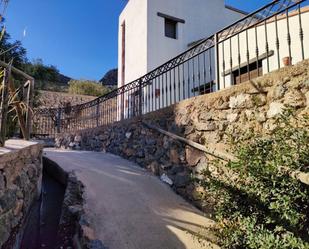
[41, 72]
[12, 51]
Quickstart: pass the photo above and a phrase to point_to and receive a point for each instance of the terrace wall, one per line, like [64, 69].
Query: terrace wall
[20, 186]
[209, 120]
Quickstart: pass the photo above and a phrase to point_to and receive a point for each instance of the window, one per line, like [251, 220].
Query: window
[205, 88]
[242, 75]
[248, 70]
[171, 25]
[170, 28]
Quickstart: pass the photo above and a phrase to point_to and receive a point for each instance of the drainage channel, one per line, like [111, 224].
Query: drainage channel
[43, 221]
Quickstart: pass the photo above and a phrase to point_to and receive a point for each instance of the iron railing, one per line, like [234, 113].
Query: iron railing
[265, 40]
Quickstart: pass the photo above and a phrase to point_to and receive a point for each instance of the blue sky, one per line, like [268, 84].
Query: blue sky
[77, 36]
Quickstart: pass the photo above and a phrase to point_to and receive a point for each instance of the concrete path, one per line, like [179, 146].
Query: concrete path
[129, 208]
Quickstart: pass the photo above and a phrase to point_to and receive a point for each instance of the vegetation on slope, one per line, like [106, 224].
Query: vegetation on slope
[257, 203]
[87, 87]
[47, 77]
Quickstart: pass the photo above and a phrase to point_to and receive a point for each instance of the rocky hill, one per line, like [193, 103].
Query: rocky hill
[110, 78]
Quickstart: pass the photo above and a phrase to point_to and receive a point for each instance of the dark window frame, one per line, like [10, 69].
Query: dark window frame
[171, 25]
[206, 88]
[170, 28]
[255, 70]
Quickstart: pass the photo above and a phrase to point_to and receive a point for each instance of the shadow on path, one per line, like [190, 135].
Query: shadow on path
[129, 208]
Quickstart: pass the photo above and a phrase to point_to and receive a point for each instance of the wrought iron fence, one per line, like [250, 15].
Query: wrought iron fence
[267, 39]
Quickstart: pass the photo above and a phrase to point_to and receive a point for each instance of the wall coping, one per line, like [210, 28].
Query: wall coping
[13, 145]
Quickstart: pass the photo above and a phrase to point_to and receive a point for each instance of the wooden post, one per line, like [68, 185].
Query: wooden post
[4, 106]
[30, 93]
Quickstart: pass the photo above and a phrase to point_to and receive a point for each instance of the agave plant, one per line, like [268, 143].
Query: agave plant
[17, 107]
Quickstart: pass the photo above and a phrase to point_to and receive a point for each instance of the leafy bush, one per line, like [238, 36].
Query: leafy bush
[87, 87]
[258, 204]
[46, 77]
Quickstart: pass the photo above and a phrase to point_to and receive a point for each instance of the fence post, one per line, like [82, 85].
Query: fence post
[122, 105]
[58, 120]
[4, 106]
[217, 61]
[30, 92]
[97, 112]
[140, 95]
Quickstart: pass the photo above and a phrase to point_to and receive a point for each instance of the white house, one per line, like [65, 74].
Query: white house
[153, 31]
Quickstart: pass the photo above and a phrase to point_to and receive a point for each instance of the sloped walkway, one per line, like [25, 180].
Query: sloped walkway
[129, 208]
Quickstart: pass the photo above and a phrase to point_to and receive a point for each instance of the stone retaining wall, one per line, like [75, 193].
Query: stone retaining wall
[209, 120]
[20, 186]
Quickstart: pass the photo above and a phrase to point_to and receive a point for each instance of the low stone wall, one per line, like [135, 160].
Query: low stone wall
[20, 186]
[74, 230]
[209, 120]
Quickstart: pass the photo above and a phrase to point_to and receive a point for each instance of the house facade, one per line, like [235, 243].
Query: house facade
[153, 31]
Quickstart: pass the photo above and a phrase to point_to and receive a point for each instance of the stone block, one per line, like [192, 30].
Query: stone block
[154, 167]
[78, 138]
[181, 180]
[260, 116]
[241, 101]
[233, 117]
[275, 108]
[18, 207]
[206, 115]
[295, 98]
[176, 169]
[259, 100]
[166, 142]
[129, 152]
[193, 156]
[8, 200]
[207, 126]
[174, 156]
[128, 135]
[88, 233]
[305, 83]
[277, 92]
[221, 104]
[307, 102]
[2, 182]
[5, 227]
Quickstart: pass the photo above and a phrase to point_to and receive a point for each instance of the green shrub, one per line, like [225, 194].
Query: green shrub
[87, 87]
[258, 204]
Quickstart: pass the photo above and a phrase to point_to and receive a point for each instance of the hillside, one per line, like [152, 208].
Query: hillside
[110, 78]
[49, 99]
